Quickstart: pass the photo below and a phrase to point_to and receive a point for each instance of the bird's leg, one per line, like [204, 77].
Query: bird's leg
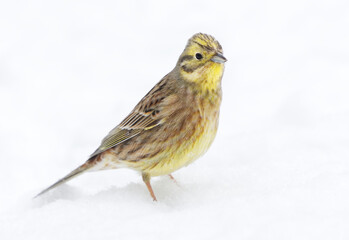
[170, 175]
[174, 180]
[146, 180]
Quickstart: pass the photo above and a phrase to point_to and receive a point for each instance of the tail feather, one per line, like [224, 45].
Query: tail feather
[71, 175]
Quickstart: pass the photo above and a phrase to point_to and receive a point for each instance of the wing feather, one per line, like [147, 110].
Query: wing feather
[145, 116]
[136, 124]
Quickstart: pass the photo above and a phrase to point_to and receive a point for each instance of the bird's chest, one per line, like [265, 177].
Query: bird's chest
[200, 135]
[194, 132]
[203, 136]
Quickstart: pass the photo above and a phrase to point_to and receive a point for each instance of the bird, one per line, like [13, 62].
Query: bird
[174, 123]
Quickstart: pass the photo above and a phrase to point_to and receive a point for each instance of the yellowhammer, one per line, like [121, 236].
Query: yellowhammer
[174, 124]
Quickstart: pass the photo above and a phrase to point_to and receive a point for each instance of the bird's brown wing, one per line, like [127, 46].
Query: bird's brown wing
[150, 112]
[135, 124]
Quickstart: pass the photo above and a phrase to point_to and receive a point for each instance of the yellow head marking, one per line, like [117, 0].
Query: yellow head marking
[206, 41]
[202, 62]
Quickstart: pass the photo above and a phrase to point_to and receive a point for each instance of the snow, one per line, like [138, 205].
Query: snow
[71, 70]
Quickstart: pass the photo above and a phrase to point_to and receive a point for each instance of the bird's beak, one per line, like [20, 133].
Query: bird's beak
[218, 58]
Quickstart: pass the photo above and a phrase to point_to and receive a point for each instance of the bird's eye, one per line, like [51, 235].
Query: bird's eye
[198, 56]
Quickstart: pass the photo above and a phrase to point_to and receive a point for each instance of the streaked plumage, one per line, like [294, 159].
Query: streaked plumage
[174, 124]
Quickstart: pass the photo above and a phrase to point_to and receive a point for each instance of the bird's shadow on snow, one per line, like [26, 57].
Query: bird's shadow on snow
[168, 192]
[63, 192]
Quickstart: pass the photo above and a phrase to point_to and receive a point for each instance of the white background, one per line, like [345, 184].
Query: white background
[72, 70]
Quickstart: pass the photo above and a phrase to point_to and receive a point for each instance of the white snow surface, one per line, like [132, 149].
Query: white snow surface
[70, 71]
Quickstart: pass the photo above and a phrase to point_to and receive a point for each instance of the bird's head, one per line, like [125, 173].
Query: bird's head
[202, 62]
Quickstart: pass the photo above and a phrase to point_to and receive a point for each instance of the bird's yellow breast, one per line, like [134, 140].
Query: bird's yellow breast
[188, 148]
